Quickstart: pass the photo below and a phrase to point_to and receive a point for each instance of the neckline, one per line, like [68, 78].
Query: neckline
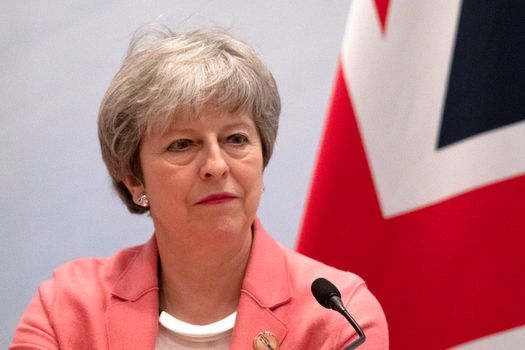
[180, 327]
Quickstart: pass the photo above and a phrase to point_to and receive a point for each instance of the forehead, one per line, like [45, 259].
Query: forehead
[203, 119]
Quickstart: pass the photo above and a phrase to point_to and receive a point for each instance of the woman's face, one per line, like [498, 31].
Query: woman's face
[203, 174]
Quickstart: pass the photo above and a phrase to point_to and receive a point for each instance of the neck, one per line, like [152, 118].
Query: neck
[200, 281]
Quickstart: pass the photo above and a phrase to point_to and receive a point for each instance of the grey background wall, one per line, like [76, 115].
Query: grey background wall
[57, 58]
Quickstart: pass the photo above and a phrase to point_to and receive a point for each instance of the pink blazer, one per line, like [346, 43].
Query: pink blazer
[113, 303]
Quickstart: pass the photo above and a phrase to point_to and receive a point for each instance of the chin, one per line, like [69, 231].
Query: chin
[228, 224]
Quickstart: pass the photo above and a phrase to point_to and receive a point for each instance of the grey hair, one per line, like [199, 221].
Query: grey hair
[165, 75]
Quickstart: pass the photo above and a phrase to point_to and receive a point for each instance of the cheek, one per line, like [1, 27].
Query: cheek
[152, 178]
[254, 182]
[164, 183]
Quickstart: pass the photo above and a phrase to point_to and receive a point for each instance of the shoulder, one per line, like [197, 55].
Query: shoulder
[69, 308]
[303, 269]
[357, 298]
[86, 282]
[87, 273]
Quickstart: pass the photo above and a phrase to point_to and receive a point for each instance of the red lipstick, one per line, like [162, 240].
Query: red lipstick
[217, 198]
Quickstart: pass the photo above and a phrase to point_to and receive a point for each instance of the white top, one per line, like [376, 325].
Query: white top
[176, 334]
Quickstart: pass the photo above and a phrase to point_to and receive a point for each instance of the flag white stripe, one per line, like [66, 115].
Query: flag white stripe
[513, 339]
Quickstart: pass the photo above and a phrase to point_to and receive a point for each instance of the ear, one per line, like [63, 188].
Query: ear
[134, 185]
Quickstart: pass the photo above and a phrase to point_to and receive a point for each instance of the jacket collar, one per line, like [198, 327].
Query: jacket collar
[265, 288]
[266, 279]
[142, 263]
[132, 313]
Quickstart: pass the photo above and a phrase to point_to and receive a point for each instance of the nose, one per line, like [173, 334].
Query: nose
[214, 164]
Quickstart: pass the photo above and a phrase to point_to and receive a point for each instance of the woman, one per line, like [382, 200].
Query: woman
[186, 128]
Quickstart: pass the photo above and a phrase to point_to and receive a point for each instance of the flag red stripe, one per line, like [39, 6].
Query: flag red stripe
[382, 12]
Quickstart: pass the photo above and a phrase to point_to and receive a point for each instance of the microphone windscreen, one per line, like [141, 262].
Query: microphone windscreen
[323, 290]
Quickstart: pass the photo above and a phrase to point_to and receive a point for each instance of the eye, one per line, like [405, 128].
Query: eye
[237, 139]
[180, 145]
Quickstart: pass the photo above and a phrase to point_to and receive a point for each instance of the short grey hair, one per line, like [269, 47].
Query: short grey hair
[165, 75]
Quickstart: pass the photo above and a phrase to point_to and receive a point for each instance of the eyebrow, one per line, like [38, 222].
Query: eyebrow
[226, 126]
[237, 124]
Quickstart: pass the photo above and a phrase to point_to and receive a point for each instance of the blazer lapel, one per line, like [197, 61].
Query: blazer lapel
[265, 288]
[252, 320]
[132, 314]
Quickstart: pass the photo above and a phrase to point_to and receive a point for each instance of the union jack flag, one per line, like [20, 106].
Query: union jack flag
[420, 177]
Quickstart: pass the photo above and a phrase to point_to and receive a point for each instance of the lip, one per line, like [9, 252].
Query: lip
[216, 198]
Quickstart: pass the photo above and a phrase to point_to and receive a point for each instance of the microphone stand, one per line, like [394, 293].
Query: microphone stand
[336, 301]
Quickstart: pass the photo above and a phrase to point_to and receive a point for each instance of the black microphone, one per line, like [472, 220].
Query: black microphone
[329, 296]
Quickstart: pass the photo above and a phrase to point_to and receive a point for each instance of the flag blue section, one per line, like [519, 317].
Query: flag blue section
[487, 78]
